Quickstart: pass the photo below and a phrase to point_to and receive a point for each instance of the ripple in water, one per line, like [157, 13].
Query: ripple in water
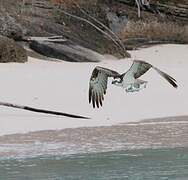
[135, 164]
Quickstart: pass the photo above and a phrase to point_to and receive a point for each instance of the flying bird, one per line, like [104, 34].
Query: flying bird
[128, 80]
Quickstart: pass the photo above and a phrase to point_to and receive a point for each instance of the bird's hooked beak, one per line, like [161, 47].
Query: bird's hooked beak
[114, 82]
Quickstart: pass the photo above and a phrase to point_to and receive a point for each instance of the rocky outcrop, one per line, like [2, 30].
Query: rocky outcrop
[43, 18]
[10, 51]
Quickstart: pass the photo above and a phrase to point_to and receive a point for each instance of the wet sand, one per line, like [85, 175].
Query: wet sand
[159, 133]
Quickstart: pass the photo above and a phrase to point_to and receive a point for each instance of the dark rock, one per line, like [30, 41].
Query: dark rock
[9, 27]
[10, 51]
[65, 50]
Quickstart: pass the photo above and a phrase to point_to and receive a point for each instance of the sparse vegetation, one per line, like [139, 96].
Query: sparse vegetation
[72, 3]
[163, 31]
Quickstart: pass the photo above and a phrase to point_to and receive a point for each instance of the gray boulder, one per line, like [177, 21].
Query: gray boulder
[10, 51]
[64, 49]
[9, 27]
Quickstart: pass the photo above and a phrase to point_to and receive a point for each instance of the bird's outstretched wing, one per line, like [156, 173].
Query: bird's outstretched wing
[139, 68]
[98, 84]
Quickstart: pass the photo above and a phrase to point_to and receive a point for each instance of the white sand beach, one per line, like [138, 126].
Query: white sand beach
[63, 86]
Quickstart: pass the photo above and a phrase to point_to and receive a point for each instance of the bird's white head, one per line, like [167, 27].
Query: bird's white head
[117, 82]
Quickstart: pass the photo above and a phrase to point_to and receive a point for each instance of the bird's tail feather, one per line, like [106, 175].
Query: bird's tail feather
[170, 79]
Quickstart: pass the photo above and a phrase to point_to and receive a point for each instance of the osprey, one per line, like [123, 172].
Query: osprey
[128, 80]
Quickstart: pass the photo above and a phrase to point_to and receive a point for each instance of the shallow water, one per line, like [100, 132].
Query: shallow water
[135, 164]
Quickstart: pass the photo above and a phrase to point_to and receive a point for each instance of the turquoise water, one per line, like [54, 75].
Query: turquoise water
[134, 165]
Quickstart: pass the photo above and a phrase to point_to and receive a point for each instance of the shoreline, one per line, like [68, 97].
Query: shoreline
[121, 137]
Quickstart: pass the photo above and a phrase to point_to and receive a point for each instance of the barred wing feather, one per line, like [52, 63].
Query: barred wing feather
[139, 68]
[98, 84]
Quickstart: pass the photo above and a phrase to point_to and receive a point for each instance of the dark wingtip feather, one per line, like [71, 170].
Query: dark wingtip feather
[93, 100]
[100, 101]
[90, 93]
[173, 83]
[97, 100]
[170, 79]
